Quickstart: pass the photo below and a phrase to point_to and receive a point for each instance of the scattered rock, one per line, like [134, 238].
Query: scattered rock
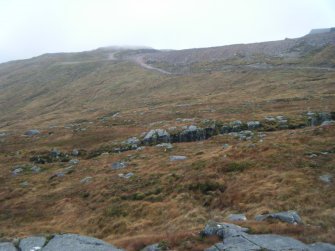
[57, 175]
[86, 180]
[32, 132]
[176, 157]
[152, 247]
[225, 146]
[75, 152]
[119, 165]
[126, 176]
[74, 242]
[253, 125]
[32, 243]
[133, 141]
[236, 217]
[291, 217]
[74, 161]
[242, 135]
[68, 170]
[327, 178]
[2, 134]
[328, 123]
[270, 119]
[24, 184]
[167, 146]
[17, 170]
[35, 169]
[313, 155]
[156, 136]
[55, 153]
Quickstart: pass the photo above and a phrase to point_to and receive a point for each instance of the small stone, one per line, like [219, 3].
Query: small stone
[57, 175]
[152, 247]
[86, 180]
[75, 152]
[74, 161]
[327, 178]
[55, 153]
[126, 176]
[24, 184]
[68, 170]
[313, 155]
[133, 141]
[176, 158]
[35, 169]
[167, 146]
[119, 165]
[32, 132]
[17, 170]
[225, 146]
[252, 125]
[328, 123]
[236, 217]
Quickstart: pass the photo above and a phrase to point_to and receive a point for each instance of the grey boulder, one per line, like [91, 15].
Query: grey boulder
[176, 158]
[74, 242]
[32, 243]
[236, 217]
[7, 246]
[153, 247]
[327, 178]
[235, 238]
[291, 217]
[321, 246]
[32, 132]
[119, 165]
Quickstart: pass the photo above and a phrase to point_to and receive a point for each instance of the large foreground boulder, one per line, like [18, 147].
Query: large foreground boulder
[75, 242]
[236, 238]
[61, 242]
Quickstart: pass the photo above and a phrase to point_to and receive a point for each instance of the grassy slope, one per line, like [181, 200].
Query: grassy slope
[164, 201]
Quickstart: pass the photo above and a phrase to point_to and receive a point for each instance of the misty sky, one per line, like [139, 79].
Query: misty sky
[32, 27]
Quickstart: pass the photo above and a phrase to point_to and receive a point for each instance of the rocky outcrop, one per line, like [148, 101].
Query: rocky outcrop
[236, 238]
[208, 128]
[156, 136]
[61, 242]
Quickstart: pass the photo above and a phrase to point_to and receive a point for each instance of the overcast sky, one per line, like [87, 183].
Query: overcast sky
[32, 27]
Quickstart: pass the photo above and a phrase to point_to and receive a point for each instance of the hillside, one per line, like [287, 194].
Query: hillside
[251, 125]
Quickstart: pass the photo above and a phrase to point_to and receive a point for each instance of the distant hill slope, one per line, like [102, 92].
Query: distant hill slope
[304, 51]
[60, 87]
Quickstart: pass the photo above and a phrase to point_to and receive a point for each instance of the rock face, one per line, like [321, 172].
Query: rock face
[291, 217]
[236, 238]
